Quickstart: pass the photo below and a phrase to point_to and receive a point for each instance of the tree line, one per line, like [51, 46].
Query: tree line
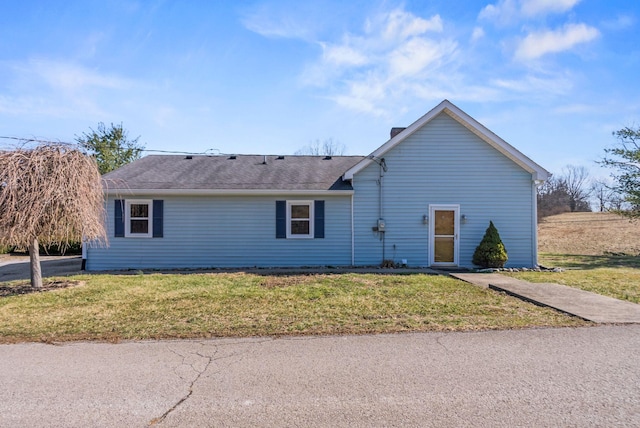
[574, 191]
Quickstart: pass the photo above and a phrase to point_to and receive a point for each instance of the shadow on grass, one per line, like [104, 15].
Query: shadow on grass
[579, 261]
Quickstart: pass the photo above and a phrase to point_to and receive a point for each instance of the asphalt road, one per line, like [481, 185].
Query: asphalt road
[545, 377]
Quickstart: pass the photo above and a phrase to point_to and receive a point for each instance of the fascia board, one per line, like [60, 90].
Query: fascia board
[225, 192]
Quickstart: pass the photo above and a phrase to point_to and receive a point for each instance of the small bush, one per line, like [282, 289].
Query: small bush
[5, 249]
[490, 253]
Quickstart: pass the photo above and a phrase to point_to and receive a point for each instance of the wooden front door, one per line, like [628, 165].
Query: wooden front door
[443, 233]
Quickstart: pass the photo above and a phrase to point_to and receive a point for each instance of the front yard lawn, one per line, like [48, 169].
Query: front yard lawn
[199, 305]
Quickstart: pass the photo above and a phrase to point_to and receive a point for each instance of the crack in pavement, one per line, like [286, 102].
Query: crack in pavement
[199, 373]
[442, 344]
[209, 360]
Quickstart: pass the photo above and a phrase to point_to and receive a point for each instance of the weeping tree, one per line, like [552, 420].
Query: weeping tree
[51, 195]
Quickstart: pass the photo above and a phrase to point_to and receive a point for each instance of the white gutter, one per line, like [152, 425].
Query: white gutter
[223, 192]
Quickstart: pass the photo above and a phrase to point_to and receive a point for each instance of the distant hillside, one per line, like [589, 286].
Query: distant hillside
[589, 234]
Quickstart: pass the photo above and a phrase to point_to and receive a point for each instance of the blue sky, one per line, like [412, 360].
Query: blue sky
[552, 77]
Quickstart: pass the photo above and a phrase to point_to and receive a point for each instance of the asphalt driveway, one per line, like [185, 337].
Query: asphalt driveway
[546, 377]
[17, 267]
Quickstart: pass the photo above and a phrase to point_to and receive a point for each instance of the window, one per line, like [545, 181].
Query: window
[299, 219]
[138, 215]
[138, 218]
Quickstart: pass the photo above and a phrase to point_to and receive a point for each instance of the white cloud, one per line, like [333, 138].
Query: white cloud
[503, 12]
[417, 55]
[506, 12]
[535, 85]
[343, 55]
[72, 77]
[398, 59]
[280, 20]
[538, 44]
[543, 7]
[363, 96]
[366, 71]
[620, 22]
[274, 25]
[478, 33]
[401, 25]
[59, 89]
[576, 108]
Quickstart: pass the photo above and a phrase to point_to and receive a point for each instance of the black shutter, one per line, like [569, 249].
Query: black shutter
[318, 224]
[118, 224]
[158, 214]
[281, 219]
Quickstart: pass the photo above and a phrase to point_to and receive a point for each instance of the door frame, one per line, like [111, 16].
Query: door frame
[456, 226]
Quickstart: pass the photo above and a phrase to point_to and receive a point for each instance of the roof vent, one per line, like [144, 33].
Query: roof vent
[232, 157]
[264, 161]
[188, 157]
[280, 157]
[396, 131]
[327, 157]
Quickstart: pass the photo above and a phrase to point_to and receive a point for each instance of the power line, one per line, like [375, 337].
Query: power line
[210, 151]
[35, 140]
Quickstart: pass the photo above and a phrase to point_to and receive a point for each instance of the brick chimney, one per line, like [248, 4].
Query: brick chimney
[396, 131]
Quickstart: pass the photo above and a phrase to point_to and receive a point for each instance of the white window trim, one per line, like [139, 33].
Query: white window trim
[127, 218]
[311, 205]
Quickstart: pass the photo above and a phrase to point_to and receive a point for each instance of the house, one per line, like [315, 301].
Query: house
[423, 198]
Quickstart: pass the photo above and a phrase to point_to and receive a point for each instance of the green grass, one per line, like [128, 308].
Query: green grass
[154, 306]
[585, 262]
[611, 275]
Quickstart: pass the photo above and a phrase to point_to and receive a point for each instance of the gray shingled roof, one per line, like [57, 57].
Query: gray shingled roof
[241, 172]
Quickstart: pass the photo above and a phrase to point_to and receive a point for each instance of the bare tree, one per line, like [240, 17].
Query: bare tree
[553, 198]
[327, 147]
[51, 194]
[577, 179]
[566, 193]
[603, 194]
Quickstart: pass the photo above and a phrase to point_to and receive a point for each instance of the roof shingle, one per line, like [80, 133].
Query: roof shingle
[240, 172]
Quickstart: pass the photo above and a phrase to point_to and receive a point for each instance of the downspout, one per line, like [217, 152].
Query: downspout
[534, 220]
[353, 238]
[84, 255]
[383, 169]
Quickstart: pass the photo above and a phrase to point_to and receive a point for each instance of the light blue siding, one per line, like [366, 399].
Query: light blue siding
[226, 231]
[443, 163]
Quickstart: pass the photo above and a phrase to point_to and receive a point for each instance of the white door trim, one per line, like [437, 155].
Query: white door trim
[456, 242]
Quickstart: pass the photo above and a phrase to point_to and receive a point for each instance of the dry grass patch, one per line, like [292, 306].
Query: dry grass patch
[600, 252]
[589, 234]
[113, 308]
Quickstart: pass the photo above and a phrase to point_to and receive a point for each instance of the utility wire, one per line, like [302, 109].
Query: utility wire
[37, 140]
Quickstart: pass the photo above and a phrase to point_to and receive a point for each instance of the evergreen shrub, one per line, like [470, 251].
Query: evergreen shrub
[490, 253]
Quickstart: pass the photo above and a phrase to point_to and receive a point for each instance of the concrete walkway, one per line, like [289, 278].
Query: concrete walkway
[584, 304]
